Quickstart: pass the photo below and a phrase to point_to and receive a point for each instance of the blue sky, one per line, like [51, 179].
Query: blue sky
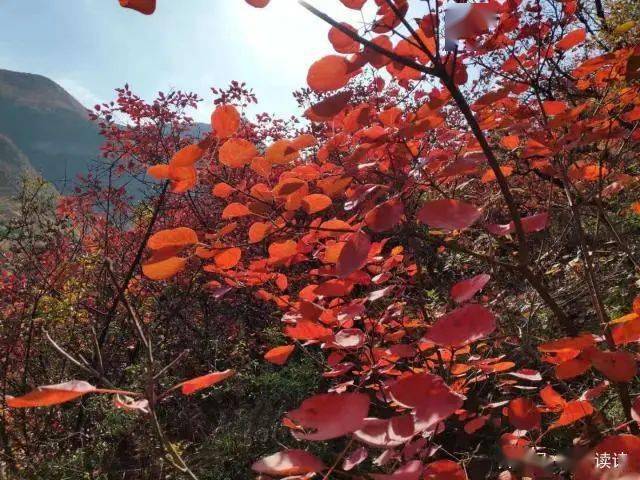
[91, 47]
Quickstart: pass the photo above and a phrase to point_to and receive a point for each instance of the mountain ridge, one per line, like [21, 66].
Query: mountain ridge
[48, 125]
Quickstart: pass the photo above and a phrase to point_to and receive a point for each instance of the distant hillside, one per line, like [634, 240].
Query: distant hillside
[48, 125]
[14, 165]
[45, 130]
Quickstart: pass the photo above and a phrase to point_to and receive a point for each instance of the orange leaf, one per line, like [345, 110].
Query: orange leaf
[187, 156]
[225, 121]
[237, 152]
[590, 172]
[159, 172]
[52, 394]
[573, 411]
[175, 237]
[476, 424]
[552, 399]
[316, 202]
[279, 355]
[490, 176]
[257, 231]
[553, 107]
[571, 39]
[191, 386]
[303, 141]
[329, 73]
[280, 250]
[280, 152]
[572, 368]
[164, 269]
[234, 210]
[510, 142]
[228, 258]
[222, 190]
[568, 343]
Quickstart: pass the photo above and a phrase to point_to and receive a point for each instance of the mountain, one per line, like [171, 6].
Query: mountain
[45, 130]
[47, 125]
[14, 165]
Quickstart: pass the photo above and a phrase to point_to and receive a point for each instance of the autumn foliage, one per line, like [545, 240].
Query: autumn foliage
[414, 236]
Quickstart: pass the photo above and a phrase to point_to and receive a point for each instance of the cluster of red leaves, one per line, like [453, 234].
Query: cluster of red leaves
[329, 225]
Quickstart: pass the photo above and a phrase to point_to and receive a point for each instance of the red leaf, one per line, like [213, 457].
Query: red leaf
[355, 458]
[466, 289]
[571, 39]
[329, 107]
[572, 368]
[341, 42]
[524, 414]
[330, 415]
[616, 366]
[385, 216]
[448, 214]
[354, 4]
[409, 471]
[143, 6]
[464, 325]
[258, 4]
[306, 330]
[430, 397]
[552, 107]
[444, 470]
[353, 255]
